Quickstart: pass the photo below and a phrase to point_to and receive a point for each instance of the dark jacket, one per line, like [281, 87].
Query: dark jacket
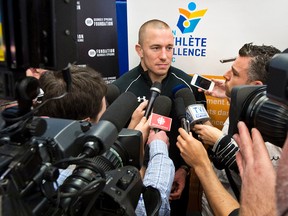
[138, 82]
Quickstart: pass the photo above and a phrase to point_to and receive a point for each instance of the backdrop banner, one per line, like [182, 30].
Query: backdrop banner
[207, 31]
[97, 36]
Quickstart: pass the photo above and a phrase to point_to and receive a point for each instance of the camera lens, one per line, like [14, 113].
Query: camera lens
[269, 117]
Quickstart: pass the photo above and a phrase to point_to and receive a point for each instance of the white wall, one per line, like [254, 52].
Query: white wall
[227, 25]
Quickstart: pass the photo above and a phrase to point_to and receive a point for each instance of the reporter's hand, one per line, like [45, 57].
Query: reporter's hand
[207, 134]
[161, 135]
[178, 184]
[138, 114]
[192, 150]
[144, 127]
[257, 173]
[218, 90]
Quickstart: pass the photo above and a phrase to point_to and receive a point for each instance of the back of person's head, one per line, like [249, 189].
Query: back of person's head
[260, 57]
[84, 99]
[155, 24]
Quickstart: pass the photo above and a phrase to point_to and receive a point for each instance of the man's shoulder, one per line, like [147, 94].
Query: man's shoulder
[127, 77]
[134, 72]
[179, 72]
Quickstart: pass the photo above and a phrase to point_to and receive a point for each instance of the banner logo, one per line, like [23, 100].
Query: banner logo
[189, 19]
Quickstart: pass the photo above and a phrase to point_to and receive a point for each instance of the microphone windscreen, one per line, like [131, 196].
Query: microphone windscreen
[180, 107]
[187, 96]
[120, 111]
[156, 87]
[162, 105]
[177, 88]
[112, 93]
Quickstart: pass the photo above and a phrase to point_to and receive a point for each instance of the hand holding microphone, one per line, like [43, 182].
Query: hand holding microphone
[137, 115]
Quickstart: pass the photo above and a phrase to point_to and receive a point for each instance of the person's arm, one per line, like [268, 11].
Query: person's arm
[194, 153]
[220, 200]
[159, 173]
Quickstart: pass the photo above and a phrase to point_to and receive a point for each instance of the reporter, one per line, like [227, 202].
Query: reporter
[249, 68]
[86, 101]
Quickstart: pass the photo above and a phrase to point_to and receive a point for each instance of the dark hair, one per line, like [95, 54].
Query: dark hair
[260, 57]
[84, 99]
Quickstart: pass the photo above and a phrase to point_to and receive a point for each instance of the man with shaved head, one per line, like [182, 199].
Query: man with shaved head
[155, 49]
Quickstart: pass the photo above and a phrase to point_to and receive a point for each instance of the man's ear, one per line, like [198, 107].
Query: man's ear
[139, 50]
[256, 82]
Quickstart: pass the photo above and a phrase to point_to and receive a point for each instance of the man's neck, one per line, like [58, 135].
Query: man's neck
[155, 78]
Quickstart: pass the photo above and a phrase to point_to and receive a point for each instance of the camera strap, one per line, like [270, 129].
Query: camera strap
[233, 184]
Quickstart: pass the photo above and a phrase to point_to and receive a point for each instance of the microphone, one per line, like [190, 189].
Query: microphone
[101, 136]
[181, 113]
[195, 113]
[161, 109]
[155, 92]
[113, 92]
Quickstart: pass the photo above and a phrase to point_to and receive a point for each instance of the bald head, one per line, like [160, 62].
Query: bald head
[151, 24]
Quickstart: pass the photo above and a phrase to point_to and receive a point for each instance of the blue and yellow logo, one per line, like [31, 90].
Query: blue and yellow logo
[189, 19]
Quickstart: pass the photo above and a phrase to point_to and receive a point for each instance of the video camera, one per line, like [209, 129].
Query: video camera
[29, 170]
[261, 107]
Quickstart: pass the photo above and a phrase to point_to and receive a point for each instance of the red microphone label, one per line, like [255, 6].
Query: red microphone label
[160, 122]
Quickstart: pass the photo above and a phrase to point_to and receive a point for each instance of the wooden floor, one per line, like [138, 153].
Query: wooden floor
[195, 194]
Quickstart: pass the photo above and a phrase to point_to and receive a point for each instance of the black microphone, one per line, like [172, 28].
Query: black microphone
[162, 106]
[181, 113]
[113, 92]
[155, 92]
[101, 136]
[195, 113]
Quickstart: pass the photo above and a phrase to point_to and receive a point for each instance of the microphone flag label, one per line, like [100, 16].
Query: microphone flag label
[196, 112]
[160, 122]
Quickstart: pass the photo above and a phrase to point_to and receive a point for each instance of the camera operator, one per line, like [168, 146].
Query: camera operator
[86, 101]
[247, 69]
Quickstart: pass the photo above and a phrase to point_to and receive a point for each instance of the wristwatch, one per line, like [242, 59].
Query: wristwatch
[186, 168]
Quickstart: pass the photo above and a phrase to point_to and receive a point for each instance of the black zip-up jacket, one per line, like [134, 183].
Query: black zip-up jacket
[138, 82]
